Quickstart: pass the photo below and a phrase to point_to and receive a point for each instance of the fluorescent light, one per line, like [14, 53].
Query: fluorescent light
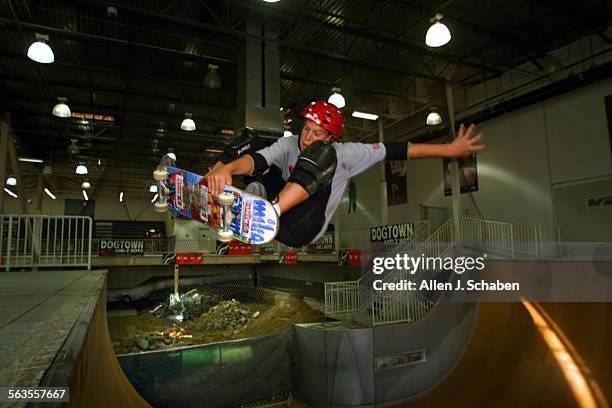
[271, 1]
[121, 197]
[9, 192]
[363, 115]
[287, 133]
[30, 160]
[85, 195]
[81, 169]
[40, 51]
[154, 197]
[433, 119]
[49, 193]
[337, 99]
[188, 124]
[61, 110]
[153, 188]
[11, 181]
[438, 34]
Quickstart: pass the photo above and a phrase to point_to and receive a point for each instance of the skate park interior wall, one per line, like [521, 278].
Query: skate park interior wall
[529, 153]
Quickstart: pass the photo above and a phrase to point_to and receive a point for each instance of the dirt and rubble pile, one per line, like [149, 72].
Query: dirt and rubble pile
[230, 314]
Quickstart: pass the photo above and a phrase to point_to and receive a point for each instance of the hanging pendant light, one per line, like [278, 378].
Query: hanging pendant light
[188, 124]
[40, 51]
[61, 110]
[438, 34]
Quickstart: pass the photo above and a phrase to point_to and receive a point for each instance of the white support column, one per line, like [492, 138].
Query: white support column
[454, 170]
[20, 189]
[384, 210]
[39, 194]
[4, 140]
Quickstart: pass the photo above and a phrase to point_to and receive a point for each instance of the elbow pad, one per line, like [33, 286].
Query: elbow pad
[315, 167]
[396, 150]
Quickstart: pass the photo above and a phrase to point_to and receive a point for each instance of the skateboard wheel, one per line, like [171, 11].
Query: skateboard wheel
[161, 206]
[226, 198]
[160, 175]
[225, 236]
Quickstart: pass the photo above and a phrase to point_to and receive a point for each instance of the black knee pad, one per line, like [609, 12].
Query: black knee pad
[246, 140]
[315, 167]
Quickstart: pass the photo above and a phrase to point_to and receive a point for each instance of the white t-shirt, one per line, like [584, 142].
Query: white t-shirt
[353, 158]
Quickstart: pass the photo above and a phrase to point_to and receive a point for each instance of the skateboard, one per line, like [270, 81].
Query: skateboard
[235, 214]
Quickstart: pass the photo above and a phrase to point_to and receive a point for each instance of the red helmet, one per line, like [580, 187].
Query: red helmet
[326, 115]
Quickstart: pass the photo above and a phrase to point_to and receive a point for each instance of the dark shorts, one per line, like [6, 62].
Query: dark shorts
[302, 223]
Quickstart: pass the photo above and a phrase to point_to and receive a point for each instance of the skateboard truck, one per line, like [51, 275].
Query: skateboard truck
[160, 175]
[226, 200]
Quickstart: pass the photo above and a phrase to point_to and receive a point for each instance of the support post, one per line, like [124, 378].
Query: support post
[384, 210]
[4, 140]
[176, 278]
[454, 170]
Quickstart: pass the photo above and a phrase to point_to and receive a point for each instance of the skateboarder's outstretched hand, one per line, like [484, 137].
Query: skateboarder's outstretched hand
[219, 177]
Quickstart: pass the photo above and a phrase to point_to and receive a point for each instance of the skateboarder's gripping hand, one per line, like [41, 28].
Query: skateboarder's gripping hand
[218, 178]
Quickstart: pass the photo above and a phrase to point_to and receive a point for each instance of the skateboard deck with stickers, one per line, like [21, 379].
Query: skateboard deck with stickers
[234, 215]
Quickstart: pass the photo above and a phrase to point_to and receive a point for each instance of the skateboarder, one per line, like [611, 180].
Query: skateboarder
[315, 168]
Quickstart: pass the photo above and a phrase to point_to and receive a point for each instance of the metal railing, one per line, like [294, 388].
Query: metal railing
[31, 241]
[510, 239]
[494, 236]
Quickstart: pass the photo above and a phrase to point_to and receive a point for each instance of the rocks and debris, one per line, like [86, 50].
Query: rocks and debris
[156, 340]
[186, 306]
[229, 314]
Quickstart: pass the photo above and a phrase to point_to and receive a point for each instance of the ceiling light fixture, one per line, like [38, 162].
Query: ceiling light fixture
[363, 115]
[154, 198]
[30, 160]
[11, 181]
[9, 192]
[336, 98]
[86, 185]
[40, 51]
[49, 193]
[438, 34]
[85, 195]
[121, 197]
[433, 118]
[61, 110]
[81, 169]
[188, 124]
[212, 80]
[153, 188]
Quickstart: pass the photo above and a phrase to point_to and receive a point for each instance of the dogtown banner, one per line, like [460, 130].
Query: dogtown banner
[392, 234]
[121, 247]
